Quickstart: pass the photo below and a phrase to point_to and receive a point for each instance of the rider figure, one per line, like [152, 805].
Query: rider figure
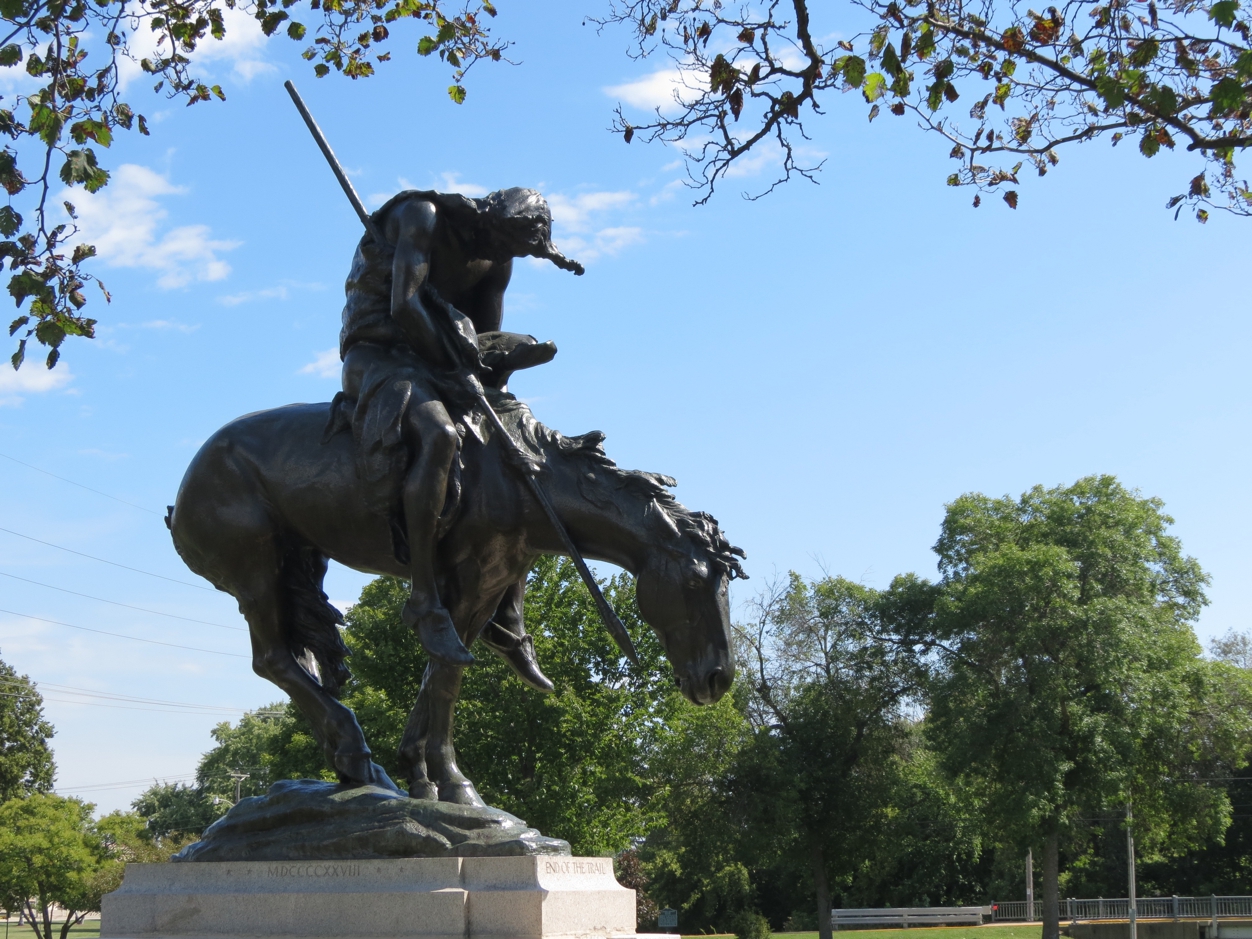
[414, 309]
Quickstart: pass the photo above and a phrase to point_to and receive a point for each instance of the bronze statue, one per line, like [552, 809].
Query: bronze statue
[425, 467]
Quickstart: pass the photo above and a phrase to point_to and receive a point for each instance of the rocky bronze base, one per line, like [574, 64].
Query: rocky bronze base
[307, 820]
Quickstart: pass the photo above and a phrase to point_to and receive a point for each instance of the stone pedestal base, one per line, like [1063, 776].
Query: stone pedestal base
[430, 898]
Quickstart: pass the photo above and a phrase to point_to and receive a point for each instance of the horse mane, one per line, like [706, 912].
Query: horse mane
[588, 450]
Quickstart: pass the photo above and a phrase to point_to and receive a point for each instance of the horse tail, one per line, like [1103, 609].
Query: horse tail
[312, 621]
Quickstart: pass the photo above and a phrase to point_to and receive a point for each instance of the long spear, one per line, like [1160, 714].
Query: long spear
[520, 461]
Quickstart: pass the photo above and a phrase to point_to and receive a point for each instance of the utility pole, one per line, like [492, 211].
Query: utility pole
[1130, 870]
[1030, 885]
[240, 777]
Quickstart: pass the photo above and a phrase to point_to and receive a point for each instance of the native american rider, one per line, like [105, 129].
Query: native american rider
[416, 309]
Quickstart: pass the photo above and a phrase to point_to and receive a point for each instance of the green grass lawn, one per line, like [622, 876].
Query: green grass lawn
[88, 930]
[932, 932]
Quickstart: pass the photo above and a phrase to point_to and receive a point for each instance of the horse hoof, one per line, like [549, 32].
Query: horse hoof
[424, 791]
[462, 793]
[379, 777]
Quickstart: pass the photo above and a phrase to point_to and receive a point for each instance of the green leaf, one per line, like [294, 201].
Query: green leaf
[1148, 144]
[83, 252]
[934, 99]
[1227, 95]
[877, 40]
[875, 86]
[853, 70]
[271, 21]
[19, 356]
[1163, 99]
[457, 93]
[18, 324]
[1223, 12]
[11, 54]
[426, 45]
[10, 222]
[46, 122]
[890, 61]
[295, 30]
[1111, 90]
[1145, 53]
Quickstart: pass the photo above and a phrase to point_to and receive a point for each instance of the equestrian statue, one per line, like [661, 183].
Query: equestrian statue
[425, 468]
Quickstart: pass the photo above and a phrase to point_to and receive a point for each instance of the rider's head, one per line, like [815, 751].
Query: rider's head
[518, 224]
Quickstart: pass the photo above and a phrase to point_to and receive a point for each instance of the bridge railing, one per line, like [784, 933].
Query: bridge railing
[1074, 909]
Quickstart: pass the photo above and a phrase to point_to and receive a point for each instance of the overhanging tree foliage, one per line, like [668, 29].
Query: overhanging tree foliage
[65, 58]
[1004, 84]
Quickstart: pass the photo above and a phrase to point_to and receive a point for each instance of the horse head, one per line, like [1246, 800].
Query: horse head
[682, 562]
[682, 591]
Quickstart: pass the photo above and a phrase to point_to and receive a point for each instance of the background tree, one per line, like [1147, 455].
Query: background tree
[25, 758]
[829, 707]
[54, 132]
[1031, 82]
[1069, 682]
[50, 854]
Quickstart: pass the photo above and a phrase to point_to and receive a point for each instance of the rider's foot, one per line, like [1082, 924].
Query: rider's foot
[437, 633]
[519, 653]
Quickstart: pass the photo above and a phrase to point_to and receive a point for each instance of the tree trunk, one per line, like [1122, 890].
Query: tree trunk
[1051, 887]
[822, 885]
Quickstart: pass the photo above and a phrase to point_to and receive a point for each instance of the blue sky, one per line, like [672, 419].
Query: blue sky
[822, 369]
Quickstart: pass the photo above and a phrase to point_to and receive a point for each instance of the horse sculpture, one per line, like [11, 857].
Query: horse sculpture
[273, 495]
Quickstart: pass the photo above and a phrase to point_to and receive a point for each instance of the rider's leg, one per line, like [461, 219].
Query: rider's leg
[506, 635]
[425, 489]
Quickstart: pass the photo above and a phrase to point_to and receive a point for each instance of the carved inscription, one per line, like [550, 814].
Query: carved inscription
[576, 866]
[315, 870]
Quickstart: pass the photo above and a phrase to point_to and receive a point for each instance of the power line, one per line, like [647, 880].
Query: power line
[156, 642]
[79, 485]
[116, 603]
[125, 701]
[123, 784]
[113, 696]
[103, 561]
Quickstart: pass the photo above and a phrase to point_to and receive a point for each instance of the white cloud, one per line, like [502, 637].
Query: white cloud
[576, 212]
[171, 324]
[658, 90]
[451, 182]
[280, 291]
[122, 221]
[588, 225]
[324, 364]
[241, 50]
[31, 378]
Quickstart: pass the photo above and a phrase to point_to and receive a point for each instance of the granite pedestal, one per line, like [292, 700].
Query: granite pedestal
[424, 898]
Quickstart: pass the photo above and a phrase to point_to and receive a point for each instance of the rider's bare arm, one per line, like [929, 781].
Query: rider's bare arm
[488, 306]
[411, 228]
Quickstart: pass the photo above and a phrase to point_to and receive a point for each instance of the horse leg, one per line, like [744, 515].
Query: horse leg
[334, 726]
[426, 750]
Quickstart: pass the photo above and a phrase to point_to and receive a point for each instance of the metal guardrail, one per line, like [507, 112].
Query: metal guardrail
[911, 916]
[1075, 910]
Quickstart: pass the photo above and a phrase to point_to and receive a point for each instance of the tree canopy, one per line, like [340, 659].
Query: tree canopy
[26, 764]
